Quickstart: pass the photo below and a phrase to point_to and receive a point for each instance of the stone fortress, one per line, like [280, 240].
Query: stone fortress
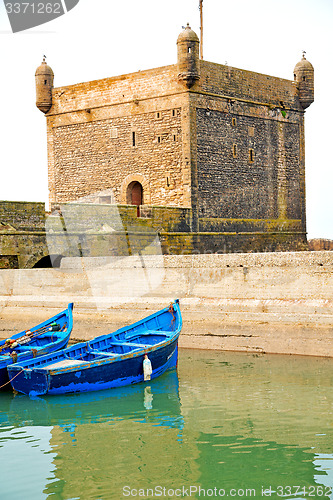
[209, 156]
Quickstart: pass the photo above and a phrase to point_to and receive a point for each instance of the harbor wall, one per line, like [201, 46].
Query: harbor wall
[255, 302]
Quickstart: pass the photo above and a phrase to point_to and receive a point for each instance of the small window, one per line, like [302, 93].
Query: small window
[251, 155]
[234, 150]
[233, 122]
[159, 139]
[167, 180]
[304, 79]
[133, 139]
[173, 112]
[45, 82]
[105, 200]
[113, 132]
[174, 137]
[158, 115]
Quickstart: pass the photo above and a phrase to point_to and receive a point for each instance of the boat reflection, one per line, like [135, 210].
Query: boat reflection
[157, 403]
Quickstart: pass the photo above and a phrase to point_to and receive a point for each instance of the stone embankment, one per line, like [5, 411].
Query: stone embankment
[261, 302]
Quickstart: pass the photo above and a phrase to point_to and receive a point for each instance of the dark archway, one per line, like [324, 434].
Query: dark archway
[135, 195]
[48, 261]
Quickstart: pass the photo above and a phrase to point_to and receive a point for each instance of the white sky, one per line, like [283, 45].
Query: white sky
[102, 38]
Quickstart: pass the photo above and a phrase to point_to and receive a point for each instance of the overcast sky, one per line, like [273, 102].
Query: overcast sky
[102, 38]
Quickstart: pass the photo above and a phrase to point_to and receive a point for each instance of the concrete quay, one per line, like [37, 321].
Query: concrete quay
[255, 302]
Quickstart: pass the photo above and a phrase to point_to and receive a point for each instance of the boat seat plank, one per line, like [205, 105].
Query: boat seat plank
[157, 332]
[133, 344]
[104, 353]
[130, 344]
[63, 363]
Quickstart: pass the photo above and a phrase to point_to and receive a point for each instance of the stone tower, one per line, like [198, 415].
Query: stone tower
[44, 85]
[210, 154]
[304, 78]
[188, 57]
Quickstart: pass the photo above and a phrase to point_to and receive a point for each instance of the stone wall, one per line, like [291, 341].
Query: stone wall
[243, 85]
[108, 133]
[22, 233]
[22, 215]
[248, 167]
[108, 230]
[105, 230]
[231, 242]
[94, 156]
[272, 302]
[122, 89]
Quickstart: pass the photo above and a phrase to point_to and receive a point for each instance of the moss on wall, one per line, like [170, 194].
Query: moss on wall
[112, 230]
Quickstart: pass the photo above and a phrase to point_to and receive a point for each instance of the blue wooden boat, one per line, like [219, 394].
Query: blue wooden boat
[51, 335]
[130, 355]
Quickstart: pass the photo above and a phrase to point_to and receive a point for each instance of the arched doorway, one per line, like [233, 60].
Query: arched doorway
[126, 189]
[135, 195]
[48, 261]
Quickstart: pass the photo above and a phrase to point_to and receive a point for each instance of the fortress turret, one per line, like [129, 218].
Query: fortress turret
[188, 56]
[304, 77]
[44, 84]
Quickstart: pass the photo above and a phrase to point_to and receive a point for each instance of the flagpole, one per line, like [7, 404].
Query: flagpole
[201, 29]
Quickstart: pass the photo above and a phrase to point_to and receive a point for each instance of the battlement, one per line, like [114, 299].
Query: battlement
[125, 89]
[247, 86]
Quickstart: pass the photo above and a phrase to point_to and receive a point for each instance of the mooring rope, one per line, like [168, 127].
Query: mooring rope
[10, 381]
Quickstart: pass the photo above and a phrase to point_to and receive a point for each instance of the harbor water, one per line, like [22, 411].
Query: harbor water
[230, 425]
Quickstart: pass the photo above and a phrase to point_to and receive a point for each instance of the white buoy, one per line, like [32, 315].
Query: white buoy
[147, 368]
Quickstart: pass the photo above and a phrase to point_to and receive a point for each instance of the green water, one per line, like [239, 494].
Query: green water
[227, 425]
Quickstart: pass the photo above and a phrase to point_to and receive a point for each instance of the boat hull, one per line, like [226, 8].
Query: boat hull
[103, 374]
[4, 378]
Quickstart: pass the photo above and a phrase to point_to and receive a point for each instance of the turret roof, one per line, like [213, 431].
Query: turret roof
[187, 35]
[44, 69]
[303, 64]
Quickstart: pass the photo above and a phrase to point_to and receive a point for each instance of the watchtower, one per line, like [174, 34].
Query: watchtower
[44, 85]
[188, 57]
[304, 78]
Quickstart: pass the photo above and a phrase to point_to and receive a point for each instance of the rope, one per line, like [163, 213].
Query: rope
[10, 381]
[172, 312]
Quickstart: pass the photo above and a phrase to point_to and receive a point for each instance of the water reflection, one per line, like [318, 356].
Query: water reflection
[231, 421]
[100, 406]
[259, 421]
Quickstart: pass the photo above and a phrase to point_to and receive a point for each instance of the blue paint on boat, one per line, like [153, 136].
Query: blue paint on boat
[112, 360]
[44, 339]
